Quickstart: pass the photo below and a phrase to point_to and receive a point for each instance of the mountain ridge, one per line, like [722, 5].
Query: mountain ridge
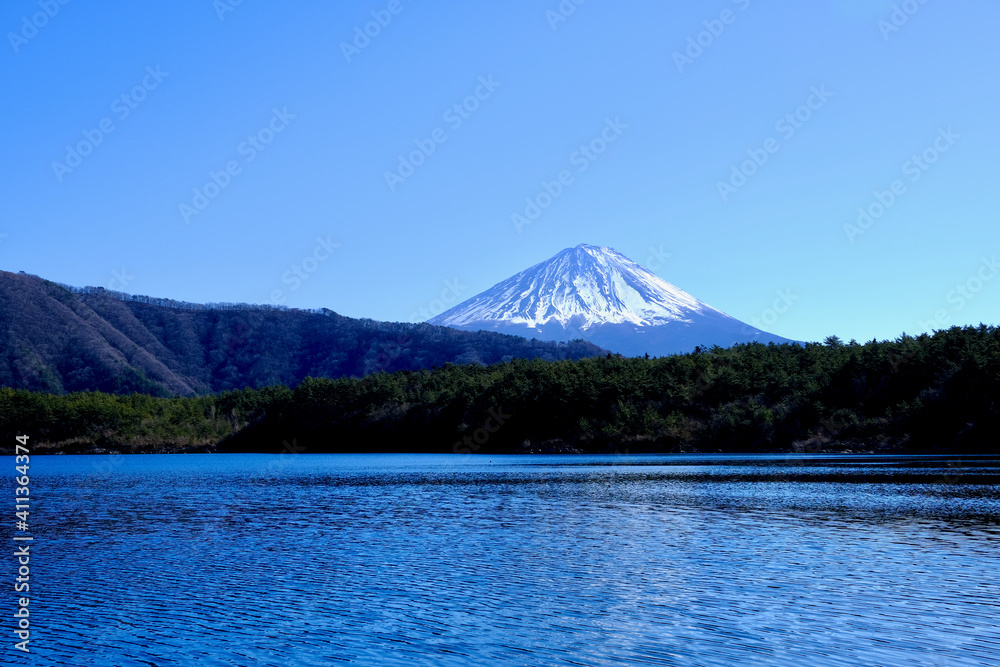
[58, 339]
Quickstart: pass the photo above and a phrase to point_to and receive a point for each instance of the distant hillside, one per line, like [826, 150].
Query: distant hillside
[58, 339]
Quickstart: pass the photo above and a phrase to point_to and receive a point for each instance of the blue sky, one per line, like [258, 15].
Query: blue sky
[214, 151]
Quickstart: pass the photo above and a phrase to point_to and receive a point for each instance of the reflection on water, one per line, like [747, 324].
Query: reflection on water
[515, 560]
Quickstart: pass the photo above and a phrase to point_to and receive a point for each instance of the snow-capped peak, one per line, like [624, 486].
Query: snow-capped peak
[580, 287]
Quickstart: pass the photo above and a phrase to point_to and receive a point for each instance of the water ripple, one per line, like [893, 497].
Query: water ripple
[425, 560]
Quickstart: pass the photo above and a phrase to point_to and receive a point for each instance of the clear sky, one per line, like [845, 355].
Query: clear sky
[206, 151]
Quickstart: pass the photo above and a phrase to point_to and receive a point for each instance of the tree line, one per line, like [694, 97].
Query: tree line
[929, 393]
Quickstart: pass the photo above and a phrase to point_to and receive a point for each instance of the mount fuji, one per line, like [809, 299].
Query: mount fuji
[598, 294]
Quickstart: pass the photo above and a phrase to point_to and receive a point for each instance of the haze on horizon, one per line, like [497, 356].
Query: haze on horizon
[238, 152]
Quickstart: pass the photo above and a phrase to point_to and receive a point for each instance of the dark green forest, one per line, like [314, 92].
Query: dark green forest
[930, 393]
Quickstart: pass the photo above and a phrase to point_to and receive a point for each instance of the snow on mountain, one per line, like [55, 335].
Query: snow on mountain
[599, 294]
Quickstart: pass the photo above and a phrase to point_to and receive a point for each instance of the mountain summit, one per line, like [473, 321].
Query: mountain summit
[598, 294]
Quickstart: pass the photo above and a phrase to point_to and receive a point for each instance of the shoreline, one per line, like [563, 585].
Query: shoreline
[543, 448]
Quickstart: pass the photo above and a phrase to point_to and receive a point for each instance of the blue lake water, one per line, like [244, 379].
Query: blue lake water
[299, 559]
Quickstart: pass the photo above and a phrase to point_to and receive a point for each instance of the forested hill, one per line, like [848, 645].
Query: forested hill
[930, 394]
[58, 339]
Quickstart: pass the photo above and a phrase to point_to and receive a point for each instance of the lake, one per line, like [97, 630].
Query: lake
[300, 559]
